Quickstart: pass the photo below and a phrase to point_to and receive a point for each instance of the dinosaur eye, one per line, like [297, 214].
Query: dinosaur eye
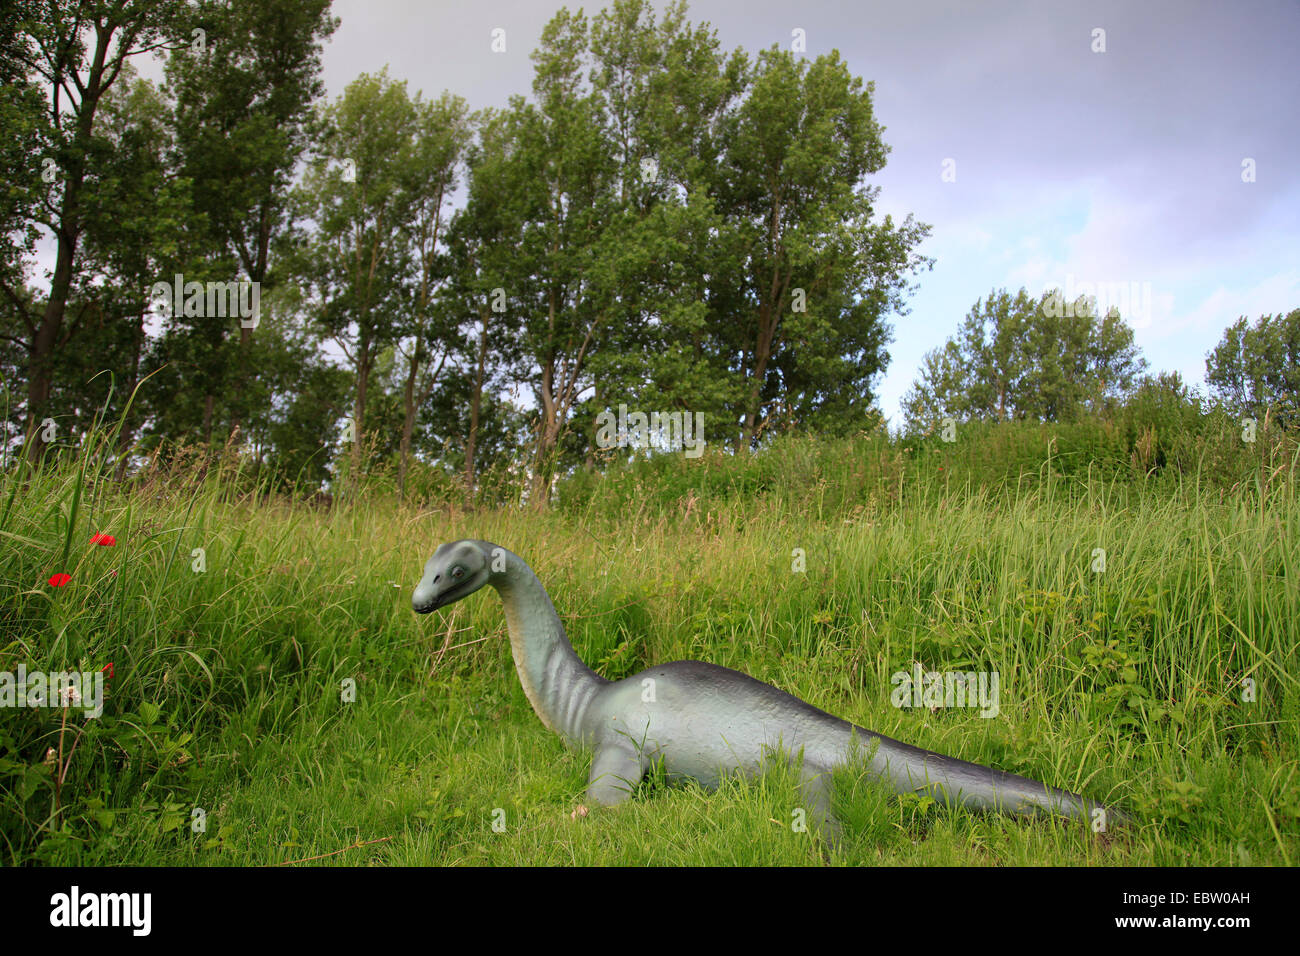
[457, 572]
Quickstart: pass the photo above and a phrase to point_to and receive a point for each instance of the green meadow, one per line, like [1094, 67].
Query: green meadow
[274, 700]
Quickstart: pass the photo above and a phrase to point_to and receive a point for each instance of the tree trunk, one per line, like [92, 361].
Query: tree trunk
[40, 372]
[762, 353]
[40, 363]
[126, 431]
[539, 495]
[359, 413]
[40, 376]
[256, 273]
[209, 406]
[769, 314]
[474, 406]
[546, 430]
[237, 406]
[408, 420]
[590, 463]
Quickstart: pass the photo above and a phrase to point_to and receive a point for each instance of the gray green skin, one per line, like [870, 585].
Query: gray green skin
[702, 721]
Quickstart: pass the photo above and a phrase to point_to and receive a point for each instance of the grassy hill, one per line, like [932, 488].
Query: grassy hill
[273, 698]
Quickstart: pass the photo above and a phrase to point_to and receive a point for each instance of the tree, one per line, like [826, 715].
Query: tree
[1255, 369]
[79, 50]
[24, 141]
[666, 91]
[671, 241]
[815, 276]
[1013, 357]
[558, 201]
[479, 260]
[243, 101]
[355, 258]
[429, 175]
[136, 216]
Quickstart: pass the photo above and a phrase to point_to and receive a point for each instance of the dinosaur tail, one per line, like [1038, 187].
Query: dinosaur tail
[956, 782]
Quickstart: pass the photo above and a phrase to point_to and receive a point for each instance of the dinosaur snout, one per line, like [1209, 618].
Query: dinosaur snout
[425, 598]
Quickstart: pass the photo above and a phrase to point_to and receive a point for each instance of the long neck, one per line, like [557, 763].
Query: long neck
[555, 680]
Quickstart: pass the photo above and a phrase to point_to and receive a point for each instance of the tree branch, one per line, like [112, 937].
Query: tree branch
[424, 393]
[339, 342]
[75, 324]
[21, 306]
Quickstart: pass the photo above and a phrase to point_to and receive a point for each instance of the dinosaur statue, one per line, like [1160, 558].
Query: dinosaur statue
[701, 720]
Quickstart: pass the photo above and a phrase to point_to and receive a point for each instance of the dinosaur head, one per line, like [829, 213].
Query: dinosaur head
[456, 570]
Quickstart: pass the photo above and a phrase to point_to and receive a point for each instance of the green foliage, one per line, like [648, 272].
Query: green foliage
[25, 143]
[74, 53]
[240, 100]
[811, 294]
[226, 694]
[1159, 441]
[1255, 369]
[1014, 358]
[662, 224]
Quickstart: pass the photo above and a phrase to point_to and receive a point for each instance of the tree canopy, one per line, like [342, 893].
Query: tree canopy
[448, 296]
[1014, 357]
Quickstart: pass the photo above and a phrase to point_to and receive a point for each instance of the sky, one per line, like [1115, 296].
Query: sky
[1155, 159]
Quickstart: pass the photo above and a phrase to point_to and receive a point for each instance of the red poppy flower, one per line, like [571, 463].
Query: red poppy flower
[107, 540]
[108, 667]
[60, 579]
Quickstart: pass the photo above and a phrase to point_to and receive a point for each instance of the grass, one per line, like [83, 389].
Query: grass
[277, 689]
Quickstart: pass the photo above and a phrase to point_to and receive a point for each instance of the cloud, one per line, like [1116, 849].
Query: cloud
[1223, 306]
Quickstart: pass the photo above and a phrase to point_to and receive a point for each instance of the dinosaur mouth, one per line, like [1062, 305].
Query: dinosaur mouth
[431, 606]
[450, 596]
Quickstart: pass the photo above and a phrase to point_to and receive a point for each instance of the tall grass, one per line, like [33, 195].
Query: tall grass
[279, 701]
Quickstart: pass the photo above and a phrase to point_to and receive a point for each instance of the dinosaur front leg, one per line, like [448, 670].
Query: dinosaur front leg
[816, 787]
[615, 771]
